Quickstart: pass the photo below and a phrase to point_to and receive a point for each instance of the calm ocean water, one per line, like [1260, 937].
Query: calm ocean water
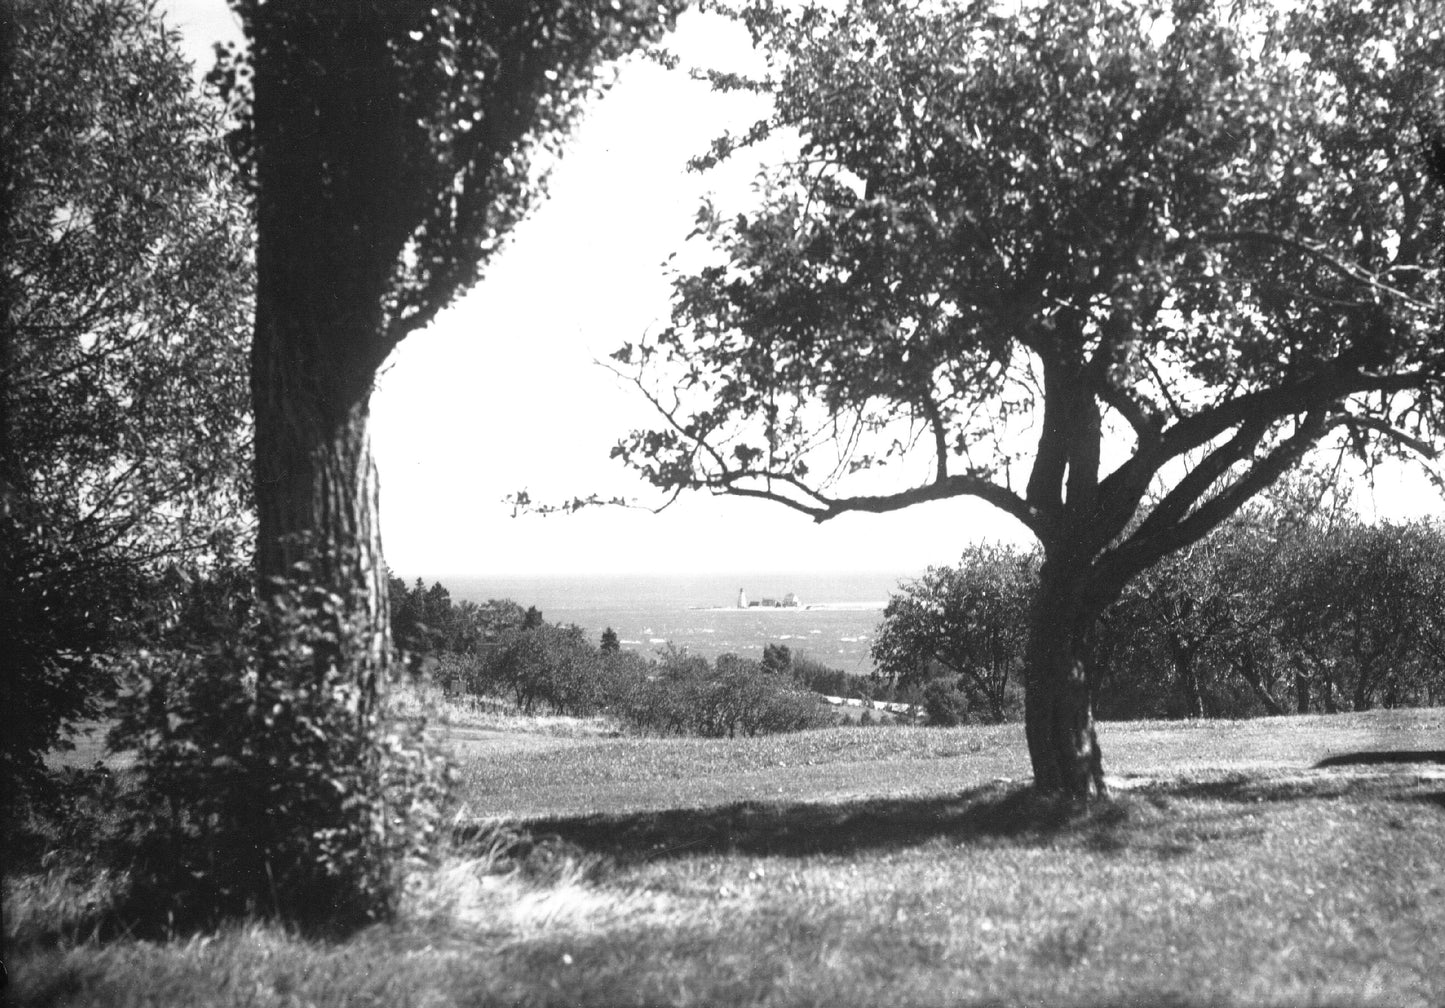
[836, 624]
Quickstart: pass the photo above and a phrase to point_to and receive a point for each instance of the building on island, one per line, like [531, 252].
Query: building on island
[788, 601]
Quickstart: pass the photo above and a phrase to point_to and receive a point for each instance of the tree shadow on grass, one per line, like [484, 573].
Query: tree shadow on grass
[806, 828]
[1143, 818]
[1386, 757]
[1377, 757]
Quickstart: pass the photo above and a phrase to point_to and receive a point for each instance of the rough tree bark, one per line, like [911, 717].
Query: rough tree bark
[316, 483]
[1058, 702]
[333, 210]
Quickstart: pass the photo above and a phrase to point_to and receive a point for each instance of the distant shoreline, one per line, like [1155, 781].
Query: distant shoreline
[810, 607]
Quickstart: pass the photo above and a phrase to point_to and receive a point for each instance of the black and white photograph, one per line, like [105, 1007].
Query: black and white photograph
[777, 503]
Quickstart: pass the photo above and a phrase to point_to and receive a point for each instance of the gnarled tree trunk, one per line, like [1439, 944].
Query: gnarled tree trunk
[1058, 706]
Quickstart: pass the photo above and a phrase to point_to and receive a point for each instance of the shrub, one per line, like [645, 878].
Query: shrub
[684, 696]
[459, 674]
[269, 784]
[944, 704]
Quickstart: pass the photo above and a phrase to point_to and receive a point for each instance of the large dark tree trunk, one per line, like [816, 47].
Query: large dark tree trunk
[316, 484]
[334, 208]
[1058, 707]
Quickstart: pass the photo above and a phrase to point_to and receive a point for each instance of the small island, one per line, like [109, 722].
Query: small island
[788, 601]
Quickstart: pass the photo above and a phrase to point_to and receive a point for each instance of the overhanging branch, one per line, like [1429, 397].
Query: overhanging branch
[1417, 445]
[1318, 254]
[1150, 543]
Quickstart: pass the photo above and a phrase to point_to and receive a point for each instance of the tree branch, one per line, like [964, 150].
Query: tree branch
[1422, 448]
[1344, 269]
[1149, 543]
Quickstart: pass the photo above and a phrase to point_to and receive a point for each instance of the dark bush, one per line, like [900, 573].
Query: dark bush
[945, 704]
[268, 784]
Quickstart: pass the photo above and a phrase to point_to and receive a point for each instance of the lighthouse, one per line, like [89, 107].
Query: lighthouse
[742, 599]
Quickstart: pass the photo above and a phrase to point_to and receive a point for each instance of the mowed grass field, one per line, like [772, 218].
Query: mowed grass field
[869, 866]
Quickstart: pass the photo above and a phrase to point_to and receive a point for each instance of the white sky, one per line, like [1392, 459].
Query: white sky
[502, 393]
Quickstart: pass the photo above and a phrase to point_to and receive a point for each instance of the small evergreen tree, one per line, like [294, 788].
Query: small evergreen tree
[610, 643]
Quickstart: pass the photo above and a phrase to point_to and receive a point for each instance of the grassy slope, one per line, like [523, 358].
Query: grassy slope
[882, 866]
[637, 774]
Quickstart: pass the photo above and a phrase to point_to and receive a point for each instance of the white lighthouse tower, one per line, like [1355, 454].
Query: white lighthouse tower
[742, 599]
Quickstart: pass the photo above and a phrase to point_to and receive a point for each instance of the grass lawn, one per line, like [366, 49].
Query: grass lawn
[864, 866]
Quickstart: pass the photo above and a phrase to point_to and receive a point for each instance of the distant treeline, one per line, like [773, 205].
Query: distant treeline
[1266, 616]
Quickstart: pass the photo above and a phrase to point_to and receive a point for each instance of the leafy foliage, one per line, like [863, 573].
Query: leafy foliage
[439, 123]
[553, 665]
[821, 678]
[269, 782]
[1269, 615]
[683, 696]
[963, 621]
[127, 300]
[944, 703]
[541, 666]
[778, 659]
[425, 621]
[1361, 619]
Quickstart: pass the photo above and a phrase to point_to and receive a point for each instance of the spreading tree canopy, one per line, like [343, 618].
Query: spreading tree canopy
[1112, 267]
[127, 305]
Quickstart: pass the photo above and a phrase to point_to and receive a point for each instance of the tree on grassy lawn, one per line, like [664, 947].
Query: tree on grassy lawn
[127, 301]
[965, 620]
[1075, 255]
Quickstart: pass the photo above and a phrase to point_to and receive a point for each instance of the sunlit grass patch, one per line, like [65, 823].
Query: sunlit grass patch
[407, 699]
[1168, 898]
[1280, 885]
